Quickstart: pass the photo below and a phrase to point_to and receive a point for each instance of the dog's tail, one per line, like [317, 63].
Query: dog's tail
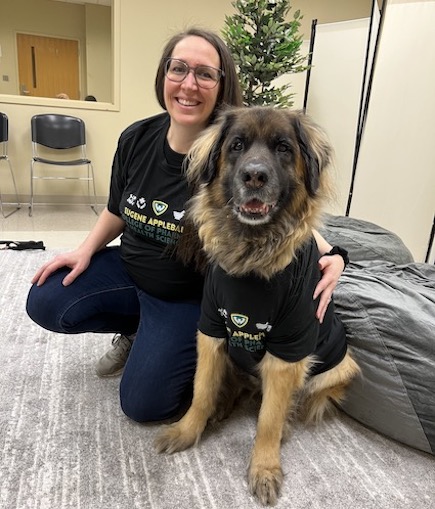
[324, 392]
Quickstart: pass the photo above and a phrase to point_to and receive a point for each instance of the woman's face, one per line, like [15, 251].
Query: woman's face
[188, 104]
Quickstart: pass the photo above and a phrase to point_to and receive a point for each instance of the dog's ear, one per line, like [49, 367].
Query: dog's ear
[202, 159]
[316, 150]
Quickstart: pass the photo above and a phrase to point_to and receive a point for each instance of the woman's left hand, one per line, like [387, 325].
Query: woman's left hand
[331, 267]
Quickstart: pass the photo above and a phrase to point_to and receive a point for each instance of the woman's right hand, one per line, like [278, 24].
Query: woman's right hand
[106, 229]
[78, 261]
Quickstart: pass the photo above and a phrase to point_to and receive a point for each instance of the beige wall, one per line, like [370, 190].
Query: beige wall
[98, 53]
[328, 11]
[144, 28]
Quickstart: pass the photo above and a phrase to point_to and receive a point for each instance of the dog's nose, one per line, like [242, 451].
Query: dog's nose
[254, 178]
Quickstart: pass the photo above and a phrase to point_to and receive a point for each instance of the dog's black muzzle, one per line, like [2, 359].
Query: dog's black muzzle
[256, 191]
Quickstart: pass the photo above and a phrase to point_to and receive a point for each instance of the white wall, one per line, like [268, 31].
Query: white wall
[395, 175]
[395, 181]
[334, 93]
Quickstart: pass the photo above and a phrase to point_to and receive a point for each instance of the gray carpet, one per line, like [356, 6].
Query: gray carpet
[64, 442]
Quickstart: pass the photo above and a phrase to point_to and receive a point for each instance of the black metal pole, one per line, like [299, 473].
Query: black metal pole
[366, 65]
[431, 239]
[310, 59]
[365, 96]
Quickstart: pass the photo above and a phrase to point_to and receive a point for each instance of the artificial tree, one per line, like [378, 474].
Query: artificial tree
[264, 46]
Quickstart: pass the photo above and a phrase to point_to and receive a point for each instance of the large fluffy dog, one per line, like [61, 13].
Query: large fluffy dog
[262, 176]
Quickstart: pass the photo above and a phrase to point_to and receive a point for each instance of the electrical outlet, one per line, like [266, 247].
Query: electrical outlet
[5, 77]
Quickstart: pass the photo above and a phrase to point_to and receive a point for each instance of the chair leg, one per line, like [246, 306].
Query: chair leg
[91, 178]
[31, 189]
[93, 204]
[17, 203]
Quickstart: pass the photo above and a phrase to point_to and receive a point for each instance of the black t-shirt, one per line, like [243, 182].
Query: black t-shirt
[278, 315]
[149, 191]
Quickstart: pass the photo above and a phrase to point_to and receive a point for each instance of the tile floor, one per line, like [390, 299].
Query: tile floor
[58, 226]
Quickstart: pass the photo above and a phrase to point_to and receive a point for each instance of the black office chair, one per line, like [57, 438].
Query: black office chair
[54, 137]
[4, 136]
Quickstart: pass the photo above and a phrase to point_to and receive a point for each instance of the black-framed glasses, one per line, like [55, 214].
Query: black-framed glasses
[205, 76]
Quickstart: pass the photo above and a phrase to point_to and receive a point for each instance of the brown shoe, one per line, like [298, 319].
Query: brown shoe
[113, 361]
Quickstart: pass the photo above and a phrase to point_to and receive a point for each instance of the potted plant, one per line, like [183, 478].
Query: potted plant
[265, 46]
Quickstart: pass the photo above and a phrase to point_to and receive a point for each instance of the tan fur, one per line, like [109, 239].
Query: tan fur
[280, 383]
[264, 251]
[208, 380]
[326, 389]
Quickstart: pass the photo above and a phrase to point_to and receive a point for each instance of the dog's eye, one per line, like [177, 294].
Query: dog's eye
[283, 147]
[237, 145]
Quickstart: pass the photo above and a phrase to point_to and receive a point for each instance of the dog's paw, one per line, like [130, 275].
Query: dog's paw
[175, 438]
[265, 483]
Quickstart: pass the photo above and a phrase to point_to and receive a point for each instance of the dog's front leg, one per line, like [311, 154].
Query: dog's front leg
[280, 381]
[210, 371]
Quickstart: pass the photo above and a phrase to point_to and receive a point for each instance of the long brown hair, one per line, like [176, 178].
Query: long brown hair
[229, 91]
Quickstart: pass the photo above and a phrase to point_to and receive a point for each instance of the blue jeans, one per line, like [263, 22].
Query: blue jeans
[158, 376]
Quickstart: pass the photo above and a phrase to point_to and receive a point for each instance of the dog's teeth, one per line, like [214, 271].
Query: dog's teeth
[256, 207]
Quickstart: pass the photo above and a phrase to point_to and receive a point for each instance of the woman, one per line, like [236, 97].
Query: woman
[138, 290]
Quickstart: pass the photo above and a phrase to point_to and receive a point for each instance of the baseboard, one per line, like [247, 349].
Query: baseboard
[9, 199]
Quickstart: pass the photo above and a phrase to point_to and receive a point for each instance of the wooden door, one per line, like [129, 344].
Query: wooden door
[48, 66]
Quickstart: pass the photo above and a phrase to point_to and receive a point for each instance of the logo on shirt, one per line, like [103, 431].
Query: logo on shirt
[223, 312]
[141, 203]
[159, 207]
[264, 326]
[178, 215]
[131, 200]
[239, 320]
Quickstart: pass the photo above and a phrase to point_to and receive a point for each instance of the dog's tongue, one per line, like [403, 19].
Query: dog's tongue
[256, 207]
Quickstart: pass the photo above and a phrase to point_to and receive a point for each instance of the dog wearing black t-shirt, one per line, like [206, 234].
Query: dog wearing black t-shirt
[261, 179]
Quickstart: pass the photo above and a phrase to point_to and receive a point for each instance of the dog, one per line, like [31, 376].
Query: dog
[262, 176]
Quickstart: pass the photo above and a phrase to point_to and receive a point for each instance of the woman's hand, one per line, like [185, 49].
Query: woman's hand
[78, 261]
[106, 229]
[331, 267]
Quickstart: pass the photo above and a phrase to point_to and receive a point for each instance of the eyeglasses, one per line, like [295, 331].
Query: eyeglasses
[205, 76]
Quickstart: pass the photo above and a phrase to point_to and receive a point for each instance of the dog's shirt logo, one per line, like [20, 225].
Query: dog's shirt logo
[131, 200]
[178, 215]
[159, 207]
[223, 312]
[141, 203]
[264, 326]
[239, 320]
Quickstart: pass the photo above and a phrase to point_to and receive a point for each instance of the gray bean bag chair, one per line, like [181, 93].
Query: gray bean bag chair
[387, 305]
[365, 240]
[388, 312]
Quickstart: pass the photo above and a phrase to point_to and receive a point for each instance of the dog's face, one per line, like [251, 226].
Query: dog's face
[260, 179]
[258, 159]
[262, 161]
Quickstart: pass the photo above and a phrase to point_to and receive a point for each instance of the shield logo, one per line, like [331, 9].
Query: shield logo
[239, 320]
[159, 207]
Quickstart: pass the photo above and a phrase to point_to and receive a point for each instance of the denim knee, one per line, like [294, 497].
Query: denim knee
[150, 406]
[42, 307]
[102, 299]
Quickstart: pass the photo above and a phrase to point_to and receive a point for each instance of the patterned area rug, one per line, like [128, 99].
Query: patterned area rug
[65, 443]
